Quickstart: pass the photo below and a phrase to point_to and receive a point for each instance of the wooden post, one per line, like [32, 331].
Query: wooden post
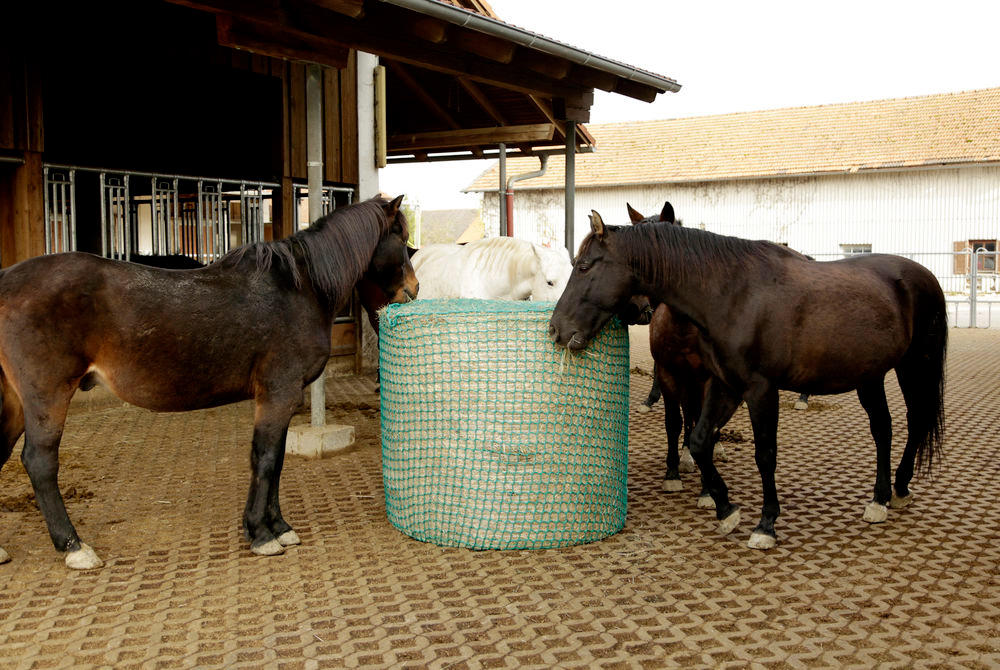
[314, 164]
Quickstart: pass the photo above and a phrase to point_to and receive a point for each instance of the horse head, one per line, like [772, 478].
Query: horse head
[600, 286]
[390, 270]
[554, 268]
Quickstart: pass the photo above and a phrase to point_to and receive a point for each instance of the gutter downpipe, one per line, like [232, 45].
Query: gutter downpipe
[500, 190]
[509, 192]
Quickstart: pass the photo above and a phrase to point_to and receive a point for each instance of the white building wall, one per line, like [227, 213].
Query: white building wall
[914, 212]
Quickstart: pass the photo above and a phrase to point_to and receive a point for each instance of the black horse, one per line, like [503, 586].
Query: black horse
[679, 374]
[772, 319]
[254, 324]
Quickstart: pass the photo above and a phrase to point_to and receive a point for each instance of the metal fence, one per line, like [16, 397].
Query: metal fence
[166, 214]
[968, 278]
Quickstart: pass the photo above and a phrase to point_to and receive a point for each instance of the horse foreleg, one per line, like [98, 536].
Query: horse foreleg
[262, 522]
[762, 402]
[719, 403]
[44, 420]
[672, 425]
[872, 397]
[654, 394]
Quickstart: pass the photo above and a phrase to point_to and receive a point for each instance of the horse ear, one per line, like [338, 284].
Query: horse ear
[667, 213]
[596, 224]
[392, 209]
[635, 216]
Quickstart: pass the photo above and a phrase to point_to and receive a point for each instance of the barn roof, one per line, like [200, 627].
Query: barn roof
[933, 130]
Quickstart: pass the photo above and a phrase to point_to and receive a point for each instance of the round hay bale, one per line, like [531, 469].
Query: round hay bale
[494, 438]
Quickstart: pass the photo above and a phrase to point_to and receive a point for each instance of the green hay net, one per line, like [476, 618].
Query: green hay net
[494, 438]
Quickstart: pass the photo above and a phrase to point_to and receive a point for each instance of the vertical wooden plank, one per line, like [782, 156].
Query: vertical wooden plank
[260, 64]
[24, 237]
[349, 120]
[279, 69]
[283, 210]
[7, 92]
[297, 113]
[332, 159]
[35, 120]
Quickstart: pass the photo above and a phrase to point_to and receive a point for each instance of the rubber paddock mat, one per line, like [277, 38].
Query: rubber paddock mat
[159, 497]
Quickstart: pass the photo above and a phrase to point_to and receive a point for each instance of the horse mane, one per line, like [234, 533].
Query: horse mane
[662, 253]
[334, 250]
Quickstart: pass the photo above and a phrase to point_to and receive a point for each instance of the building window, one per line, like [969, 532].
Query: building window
[855, 249]
[986, 256]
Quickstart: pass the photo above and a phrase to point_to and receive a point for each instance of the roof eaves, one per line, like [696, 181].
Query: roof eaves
[526, 38]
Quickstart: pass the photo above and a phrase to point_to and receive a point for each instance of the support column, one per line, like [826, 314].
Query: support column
[570, 186]
[314, 165]
[367, 169]
[502, 191]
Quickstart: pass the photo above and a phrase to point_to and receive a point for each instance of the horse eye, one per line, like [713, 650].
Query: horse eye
[582, 267]
[551, 283]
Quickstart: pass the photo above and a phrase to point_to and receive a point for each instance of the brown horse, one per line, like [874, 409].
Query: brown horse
[254, 324]
[678, 372]
[772, 319]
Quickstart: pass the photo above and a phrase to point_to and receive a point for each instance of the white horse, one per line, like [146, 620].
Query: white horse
[495, 268]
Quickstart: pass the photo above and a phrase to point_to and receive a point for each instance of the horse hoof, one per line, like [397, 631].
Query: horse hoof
[269, 548]
[83, 558]
[875, 513]
[729, 524]
[761, 541]
[643, 409]
[687, 463]
[706, 502]
[801, 405]
[4, 556]
[720, 454]
[672, 485]
[895, 503]
[289, 538]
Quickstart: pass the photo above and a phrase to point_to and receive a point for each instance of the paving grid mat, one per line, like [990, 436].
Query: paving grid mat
[159, 496]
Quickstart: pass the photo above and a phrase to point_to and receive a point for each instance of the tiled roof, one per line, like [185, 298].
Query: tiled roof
[944, 129]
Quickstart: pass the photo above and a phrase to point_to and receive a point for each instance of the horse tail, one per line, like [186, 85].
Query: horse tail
[925, 363]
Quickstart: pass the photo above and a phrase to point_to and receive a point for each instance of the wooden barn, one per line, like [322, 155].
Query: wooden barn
[918, 176]
[184, 126]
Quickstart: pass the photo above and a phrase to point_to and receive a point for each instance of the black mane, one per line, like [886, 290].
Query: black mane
[655, 251]
[334, 250]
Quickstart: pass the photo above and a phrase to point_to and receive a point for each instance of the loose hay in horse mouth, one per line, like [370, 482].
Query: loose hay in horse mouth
[492, 437]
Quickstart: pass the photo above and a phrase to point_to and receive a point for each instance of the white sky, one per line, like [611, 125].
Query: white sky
[732, 55]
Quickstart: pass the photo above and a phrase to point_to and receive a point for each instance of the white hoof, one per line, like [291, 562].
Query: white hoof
[83, 558]
[801, 405]
[672, 485]
[687, 463]
[289, 538]
[706, 502]
[875, 513]
[720, 453]
[272, 548]
[729, 524]
[643, 409]
[895, 503]
[761, 541]
[4, 556]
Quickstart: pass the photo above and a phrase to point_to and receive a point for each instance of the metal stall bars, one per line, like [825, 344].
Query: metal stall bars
[116, 215]
[60, 209]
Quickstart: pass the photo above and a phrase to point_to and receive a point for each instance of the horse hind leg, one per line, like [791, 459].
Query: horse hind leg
[11, 429]
[44, 418]
[872, 397]
[672, 424]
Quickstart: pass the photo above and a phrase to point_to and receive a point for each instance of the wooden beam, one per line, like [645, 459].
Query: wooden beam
[492, 48]
[546, 109]
[278, 42]
[539, 132]
[352, 8]
[477, 94]
[542, 63]
[403, 74]
[429, 30]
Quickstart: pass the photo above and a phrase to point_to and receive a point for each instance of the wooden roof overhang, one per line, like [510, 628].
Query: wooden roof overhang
[458, 82]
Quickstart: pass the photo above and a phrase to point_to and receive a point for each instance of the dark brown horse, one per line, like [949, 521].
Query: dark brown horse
[679, 374]
[772, 319]
[254, 324]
